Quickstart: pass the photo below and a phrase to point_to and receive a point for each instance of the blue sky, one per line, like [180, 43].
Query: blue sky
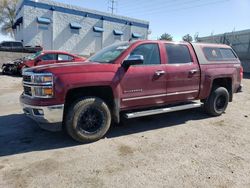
[179, 17]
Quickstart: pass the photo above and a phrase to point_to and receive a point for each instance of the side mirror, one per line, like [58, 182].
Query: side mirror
[133, 60]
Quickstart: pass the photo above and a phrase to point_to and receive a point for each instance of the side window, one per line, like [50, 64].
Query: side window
[17, 44]
[150, 53]
[6, 44]
[178, 54]
[219, 54]
[64, 57]
[49, 57]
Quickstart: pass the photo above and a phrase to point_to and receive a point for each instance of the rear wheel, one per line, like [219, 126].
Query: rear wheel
[88, 119]
[217, 102]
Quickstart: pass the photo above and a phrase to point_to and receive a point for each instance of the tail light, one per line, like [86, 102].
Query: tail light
[241, 72]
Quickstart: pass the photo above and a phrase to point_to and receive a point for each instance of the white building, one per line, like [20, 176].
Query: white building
[57, 26]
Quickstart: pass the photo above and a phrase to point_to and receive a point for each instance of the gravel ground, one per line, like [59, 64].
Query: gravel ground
[180, 149]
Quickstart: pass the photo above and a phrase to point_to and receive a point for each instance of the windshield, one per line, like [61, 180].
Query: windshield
[110, 53]
[33, 56]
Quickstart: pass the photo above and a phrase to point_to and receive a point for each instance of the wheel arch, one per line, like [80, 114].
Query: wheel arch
[105, 93]
[225, 82]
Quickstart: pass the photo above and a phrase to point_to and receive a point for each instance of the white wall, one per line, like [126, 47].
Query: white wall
[59, 35]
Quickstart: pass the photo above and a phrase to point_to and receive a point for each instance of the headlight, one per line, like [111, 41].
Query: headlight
[42, 91]
[38, 85]
[39, 79]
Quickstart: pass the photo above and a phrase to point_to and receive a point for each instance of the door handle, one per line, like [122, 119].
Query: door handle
[160, 72]
[193, 71]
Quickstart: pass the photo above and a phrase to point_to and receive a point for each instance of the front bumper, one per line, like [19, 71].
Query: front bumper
[48, 117]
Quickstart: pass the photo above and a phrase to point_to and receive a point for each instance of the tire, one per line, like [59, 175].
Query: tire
[217, 101]
[88, 119]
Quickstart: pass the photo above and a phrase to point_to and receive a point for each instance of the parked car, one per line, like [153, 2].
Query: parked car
[131, 80]
[16, 46]
[50, 57]
[39, 58]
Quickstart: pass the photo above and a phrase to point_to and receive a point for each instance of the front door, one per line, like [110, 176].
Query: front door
[144, 85]
[47, 59]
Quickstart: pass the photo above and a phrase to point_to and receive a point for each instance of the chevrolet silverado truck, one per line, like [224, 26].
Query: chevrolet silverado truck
[130, 80]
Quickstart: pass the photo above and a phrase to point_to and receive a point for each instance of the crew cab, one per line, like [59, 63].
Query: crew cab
[130, 80]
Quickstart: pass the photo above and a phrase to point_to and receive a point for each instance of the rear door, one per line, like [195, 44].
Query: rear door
[144, 85]
[182, 72]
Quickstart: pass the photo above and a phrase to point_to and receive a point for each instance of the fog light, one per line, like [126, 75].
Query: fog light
[38, 112]
[43, 91]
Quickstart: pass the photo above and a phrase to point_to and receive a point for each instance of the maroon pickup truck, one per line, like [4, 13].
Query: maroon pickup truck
[131, 79]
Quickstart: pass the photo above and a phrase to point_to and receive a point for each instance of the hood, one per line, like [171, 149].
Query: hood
[81, 67]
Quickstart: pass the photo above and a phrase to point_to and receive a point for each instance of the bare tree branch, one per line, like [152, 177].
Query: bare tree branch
[7, 16]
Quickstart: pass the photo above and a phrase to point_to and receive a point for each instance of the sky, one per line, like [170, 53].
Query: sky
[179, 17]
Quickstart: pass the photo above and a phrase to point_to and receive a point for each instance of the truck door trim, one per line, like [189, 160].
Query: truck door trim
[160, 95]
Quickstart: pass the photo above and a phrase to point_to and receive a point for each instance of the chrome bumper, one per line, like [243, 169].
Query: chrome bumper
[48, 117]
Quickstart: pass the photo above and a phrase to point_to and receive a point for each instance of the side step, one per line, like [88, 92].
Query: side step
[162, 110]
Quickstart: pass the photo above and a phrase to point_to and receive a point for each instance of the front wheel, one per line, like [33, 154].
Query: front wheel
[217, 102]
[88, 119]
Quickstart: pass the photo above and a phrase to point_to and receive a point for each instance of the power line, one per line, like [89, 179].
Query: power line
[112, 4]
[151, 4]
[178, 9]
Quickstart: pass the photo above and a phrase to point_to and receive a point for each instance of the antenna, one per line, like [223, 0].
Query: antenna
[112, 4]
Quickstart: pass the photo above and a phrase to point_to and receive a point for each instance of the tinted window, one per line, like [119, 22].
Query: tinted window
[63, 57]
[49, 57]
[150, 53]
[178, 53]
[6, 44]
[219, 54]
[17, 44]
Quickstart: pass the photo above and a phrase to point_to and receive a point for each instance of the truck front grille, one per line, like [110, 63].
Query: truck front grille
[26, 78]
[27, 90]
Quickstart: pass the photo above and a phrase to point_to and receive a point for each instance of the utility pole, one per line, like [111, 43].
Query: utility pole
[112, 6]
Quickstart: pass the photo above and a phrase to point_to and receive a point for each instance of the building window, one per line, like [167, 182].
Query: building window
[117, 32]
[43, 20]
[136, 35]
[74, 25]
[98, 29]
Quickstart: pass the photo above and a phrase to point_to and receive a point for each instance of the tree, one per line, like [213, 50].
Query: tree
[166, 36]
[7, 16]
[187, 38]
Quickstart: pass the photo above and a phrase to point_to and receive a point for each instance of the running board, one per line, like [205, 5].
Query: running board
[162, 110]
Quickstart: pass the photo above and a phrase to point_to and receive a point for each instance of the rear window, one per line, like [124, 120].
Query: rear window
[178, 54]
[219, 54]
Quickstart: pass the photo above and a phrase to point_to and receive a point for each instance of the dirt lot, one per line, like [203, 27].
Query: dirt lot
[181, 149]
